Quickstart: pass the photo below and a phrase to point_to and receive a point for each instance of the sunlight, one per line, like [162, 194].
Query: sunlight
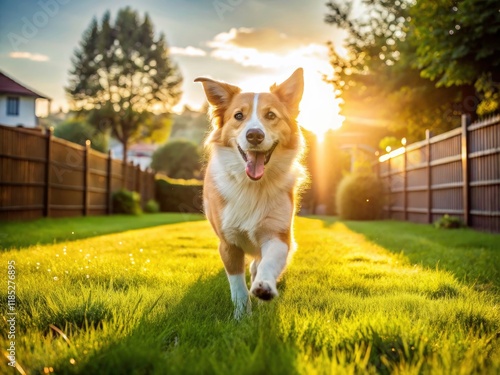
[319, 109]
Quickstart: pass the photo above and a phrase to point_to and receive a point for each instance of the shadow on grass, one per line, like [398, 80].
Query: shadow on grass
[198, 335]
[470, 255]
[19, 234]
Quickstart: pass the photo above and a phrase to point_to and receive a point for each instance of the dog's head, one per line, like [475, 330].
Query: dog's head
[255, 125]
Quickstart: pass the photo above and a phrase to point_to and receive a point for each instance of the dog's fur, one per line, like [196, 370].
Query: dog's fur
[251, 206]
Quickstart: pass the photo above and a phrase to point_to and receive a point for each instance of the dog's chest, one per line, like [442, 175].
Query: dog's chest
[252, 209]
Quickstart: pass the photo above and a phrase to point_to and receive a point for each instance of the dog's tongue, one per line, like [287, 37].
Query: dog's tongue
[255, 164]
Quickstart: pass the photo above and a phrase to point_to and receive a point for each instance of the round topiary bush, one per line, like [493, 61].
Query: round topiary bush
[360, 196]
[152, 207]
[126, 202]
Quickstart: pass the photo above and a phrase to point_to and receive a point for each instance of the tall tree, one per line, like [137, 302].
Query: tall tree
[384, 76]
[121, 75]
[457, 44]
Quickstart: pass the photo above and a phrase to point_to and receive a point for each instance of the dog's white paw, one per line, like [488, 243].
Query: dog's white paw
[242, 307]
[264, 290]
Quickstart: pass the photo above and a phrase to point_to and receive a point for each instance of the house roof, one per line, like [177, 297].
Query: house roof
[9, 86]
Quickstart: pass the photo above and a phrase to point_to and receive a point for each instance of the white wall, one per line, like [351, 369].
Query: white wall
[26, 116]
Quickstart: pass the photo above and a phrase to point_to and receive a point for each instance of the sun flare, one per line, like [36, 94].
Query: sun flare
[319, 109]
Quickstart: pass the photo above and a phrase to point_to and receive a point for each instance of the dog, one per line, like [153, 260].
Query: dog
[252, 181]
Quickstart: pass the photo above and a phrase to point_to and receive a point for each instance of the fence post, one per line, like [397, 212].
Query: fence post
[138, 178]
[46, 193]
[429, 176]
[465, 169]
[86, 173]
[108, 183]
[389, 187]
[405, 186]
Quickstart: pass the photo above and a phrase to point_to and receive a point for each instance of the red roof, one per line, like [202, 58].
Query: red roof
[9, 86]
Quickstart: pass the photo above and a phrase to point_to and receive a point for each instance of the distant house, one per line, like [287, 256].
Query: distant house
[138, 154]
[18, 103]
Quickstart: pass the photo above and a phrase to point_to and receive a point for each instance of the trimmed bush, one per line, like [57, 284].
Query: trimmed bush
[360, 196]
[178, 159]
[179, 195]
[152, 207]
[126, 202]
[449, 222]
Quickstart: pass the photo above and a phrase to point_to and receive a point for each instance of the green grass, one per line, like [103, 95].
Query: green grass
[47, 231]
[358, 298]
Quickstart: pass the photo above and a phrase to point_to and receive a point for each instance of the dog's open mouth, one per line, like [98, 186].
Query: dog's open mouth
[256, 161]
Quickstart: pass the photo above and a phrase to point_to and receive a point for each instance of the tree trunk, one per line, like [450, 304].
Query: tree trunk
[125, 151]
[124, 164]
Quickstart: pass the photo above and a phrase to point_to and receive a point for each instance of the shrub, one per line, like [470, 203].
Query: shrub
[360, 196]
[78, 131]
[177, 159]
[152, 207]
[126, 202]
[448, 222]
[179, 195]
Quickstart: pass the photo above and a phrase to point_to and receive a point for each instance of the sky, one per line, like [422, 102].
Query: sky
[249, 43]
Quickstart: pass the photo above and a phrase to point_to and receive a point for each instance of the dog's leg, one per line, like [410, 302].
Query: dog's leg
[274, 258]
[253, 269]
[234, 263]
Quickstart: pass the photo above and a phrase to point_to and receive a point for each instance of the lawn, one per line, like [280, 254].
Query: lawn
[372, 297]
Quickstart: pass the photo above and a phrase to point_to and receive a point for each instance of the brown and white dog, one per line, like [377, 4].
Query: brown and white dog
[251, 181]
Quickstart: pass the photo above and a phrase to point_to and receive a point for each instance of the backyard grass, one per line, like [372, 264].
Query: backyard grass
[377, 297]
[48, 230]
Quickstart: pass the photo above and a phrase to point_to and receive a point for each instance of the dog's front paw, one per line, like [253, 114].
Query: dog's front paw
[264, 290]
[242, 307]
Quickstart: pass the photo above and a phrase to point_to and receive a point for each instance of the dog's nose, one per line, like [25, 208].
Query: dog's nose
[255, 136]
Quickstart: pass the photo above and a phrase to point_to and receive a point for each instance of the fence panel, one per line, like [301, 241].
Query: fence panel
[41, 175]
[22, 173]
[98, 183]
[67, 177]
[455, 173]
[417, 182]
[484, 175]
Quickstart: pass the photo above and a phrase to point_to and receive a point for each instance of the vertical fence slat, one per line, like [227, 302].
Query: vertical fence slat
[109, 178]
[86, 178]
[429, 176]
[46, 195]
[405, 184]
[465, 169]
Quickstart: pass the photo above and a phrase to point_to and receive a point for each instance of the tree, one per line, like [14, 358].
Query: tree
[382, 77]
[78, 131]
[177, 159]
[457, 44]
[122, 74]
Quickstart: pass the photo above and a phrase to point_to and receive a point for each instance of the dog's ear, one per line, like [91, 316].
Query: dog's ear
[218, 93]
[290, 92]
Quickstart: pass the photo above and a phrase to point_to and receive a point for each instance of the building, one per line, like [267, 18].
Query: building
[18, 103]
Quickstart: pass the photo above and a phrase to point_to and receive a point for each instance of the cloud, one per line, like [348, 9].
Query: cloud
[187, 51]
[266, 48]
[264, 39]
[28, 56]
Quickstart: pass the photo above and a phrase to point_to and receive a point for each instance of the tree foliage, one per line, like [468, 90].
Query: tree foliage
[177, 159]
[78, 131]
[391, 72]
[121, 74]
[457, 44]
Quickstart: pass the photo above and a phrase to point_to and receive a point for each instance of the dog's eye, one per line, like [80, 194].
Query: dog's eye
[270, 115]
[238, 116]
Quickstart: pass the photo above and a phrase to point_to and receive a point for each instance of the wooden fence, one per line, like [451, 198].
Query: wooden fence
[44, 176]
[455, 173]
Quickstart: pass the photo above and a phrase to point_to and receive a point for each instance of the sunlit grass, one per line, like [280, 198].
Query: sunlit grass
[157, 301]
